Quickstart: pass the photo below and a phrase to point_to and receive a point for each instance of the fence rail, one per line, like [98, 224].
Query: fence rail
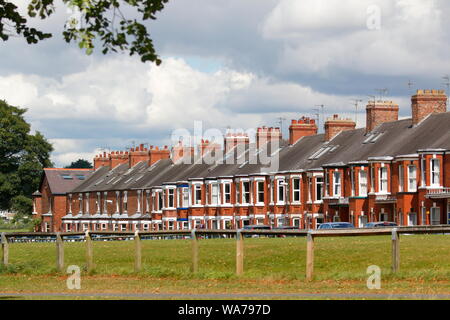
[90, 236]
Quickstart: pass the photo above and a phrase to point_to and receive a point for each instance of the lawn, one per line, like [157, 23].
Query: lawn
[271, 266]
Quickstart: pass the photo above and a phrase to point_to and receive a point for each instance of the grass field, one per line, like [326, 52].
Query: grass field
[271, 266]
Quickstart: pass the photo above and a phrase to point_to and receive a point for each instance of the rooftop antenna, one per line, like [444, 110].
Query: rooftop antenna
[356, 103]
[446, 83]
[322, 107]
[410, 84]
[280, 121]
[382, 92]
[317, 114]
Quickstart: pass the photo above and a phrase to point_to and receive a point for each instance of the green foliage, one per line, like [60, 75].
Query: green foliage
[22, 158]
[80, 164]
[98, 20]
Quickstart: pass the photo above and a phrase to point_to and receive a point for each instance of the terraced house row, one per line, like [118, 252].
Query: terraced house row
[390, 170]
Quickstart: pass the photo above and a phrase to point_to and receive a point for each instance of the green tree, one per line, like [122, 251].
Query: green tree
[91, 21]
[80, 164]
[22, 157]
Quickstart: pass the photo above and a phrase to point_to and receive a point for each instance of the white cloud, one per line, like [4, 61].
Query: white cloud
[319, 36]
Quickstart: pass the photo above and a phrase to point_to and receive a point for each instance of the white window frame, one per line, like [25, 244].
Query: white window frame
[412, 178]
[215, 194]
[435, 172]
[317, 189]
[362, 179]
[260, 192]
[337, 183]
[197, 188]
[296, 191]
[401, 178]
[281, 190]
[246, 198]
[226, 193]
[383, 183]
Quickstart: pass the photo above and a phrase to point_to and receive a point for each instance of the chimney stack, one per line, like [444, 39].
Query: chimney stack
[302, 128]
[378, 112]
[426, 102]
[335, 125]
[137, 155]
[156, 154]
[265, 135]
[206, 146]
[180, 152]
[234, 139]
[117, 158]
[101, 160]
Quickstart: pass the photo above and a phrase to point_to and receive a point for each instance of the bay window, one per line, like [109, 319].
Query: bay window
[296, 189]
[337, 184]
[412, 179]
[435, 172]
[260, 191]
[383, 180]
[246, 192]
[362, 183]
[319, 188]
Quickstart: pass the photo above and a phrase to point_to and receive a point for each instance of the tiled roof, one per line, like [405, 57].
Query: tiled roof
[62, 181]
[309, 153]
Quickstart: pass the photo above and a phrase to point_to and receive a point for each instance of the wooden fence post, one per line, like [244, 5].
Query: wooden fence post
[5, 249]
[239, 253]
[309, 256]
[89, 253]
[194, 251]
[138, 252]
[59, 253]
[395, 250]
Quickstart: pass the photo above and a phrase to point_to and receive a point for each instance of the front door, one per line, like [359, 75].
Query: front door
[435, 216]
[412, 219]
[362, 221]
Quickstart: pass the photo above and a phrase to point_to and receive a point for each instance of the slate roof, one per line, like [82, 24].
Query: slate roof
[62, 181]
[390, 139]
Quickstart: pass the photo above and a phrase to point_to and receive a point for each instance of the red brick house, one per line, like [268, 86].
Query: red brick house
[396, 170]
[50, 201]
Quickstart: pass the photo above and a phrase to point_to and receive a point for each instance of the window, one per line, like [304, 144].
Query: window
[197, 194]
[238, 192]
[145, 226]
[260, 188]
[362, 183]
[296, 189]
[98, 202]
[68, 227]
[281, 190]
[412, 179]
[171, 195]
[412, 219]
[383, 180]
[423, 170]
[435, 172]
[401, 178]
[214, 194]
[352, 180]
[185, 196]
[327, 183]
[246, 192]
[337, 183]
[66, 177]
[372, 179]
[123, 227]
[105, 202]
[227, 193]
[319, 188]
[125, 201]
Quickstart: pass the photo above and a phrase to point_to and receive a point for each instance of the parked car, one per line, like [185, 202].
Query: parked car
[256, 227]
[382, 224]
[285, 228]
[336, 225]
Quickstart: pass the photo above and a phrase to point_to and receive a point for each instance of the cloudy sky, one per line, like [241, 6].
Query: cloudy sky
[234, 63]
